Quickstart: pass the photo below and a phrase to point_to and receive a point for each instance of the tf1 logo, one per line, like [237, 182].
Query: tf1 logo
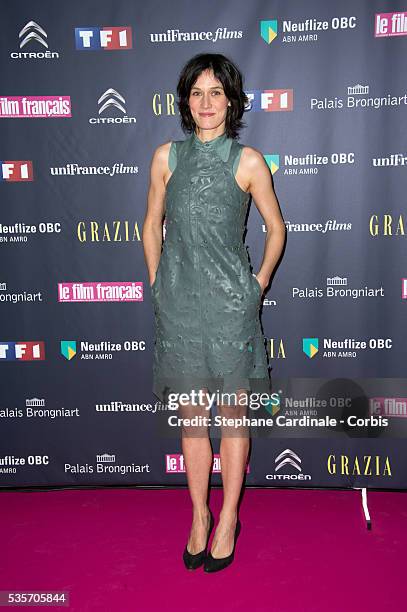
[106, 38]
[16, 171]
[22, 351]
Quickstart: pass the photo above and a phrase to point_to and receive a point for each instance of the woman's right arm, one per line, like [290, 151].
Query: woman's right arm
[152, 232]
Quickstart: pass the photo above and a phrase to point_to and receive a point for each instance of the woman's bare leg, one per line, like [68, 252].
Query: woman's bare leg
[234, 448]
[197, 453]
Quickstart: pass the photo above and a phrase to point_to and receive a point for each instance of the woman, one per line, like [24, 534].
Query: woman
[206, 300]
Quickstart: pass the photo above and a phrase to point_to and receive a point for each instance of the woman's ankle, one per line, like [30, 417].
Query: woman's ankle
[200, 512]
[228, 515]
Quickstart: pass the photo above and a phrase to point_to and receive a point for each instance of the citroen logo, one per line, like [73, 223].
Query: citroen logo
[32, 31]
[288, 457]
[111, 98]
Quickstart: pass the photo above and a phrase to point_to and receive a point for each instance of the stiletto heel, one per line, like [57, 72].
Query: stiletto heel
[195, 561]
[212, 564]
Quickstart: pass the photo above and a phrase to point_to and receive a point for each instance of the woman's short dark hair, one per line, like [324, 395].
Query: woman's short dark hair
[230, 77]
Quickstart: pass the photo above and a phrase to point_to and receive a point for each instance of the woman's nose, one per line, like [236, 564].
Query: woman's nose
[205, 101]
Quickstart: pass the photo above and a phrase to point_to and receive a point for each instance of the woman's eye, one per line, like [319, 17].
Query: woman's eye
[197, 93]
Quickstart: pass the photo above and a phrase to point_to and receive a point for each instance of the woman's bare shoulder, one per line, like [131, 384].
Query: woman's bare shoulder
[163, 149]
[251, 157]
[250, 151]
[160, 156]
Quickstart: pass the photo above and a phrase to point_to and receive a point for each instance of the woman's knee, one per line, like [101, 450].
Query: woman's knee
[194, 421]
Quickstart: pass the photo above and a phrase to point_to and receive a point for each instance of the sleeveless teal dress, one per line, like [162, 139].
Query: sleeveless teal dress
[206, 300]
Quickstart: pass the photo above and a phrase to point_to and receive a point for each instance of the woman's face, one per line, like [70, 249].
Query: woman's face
[207, 101]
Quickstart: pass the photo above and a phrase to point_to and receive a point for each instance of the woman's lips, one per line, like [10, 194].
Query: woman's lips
[206, 114]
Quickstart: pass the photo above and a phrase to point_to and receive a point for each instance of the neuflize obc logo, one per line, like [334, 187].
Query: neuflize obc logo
[269, 30]
[310, 346]
[68, 349]
[273, 162]
[93, 38]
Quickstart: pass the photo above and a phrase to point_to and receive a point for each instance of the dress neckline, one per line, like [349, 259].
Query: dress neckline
[220, 144]
[210, 143]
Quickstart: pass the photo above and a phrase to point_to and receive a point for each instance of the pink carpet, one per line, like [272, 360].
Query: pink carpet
[121, 550]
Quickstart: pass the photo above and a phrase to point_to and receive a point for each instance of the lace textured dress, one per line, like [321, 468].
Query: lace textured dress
[206, 300]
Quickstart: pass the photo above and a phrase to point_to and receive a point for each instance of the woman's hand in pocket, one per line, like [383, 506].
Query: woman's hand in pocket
[261, 282]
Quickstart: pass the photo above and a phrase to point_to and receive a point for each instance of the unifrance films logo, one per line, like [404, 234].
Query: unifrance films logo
[126, 291]
[209, 36]
[15, 171]
[22, 351]
[37, 107]
[117, 38]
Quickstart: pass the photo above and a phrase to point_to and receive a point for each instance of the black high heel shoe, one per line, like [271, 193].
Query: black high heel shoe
[212, 564]
[195, 561]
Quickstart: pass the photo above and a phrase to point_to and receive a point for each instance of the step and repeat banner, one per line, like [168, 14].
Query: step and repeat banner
[88, 91]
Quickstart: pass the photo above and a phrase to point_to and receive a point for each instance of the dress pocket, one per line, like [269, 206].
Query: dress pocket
[152, 287]
[258, 286]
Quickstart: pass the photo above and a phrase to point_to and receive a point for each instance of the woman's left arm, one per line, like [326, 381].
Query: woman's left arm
[261, 189]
